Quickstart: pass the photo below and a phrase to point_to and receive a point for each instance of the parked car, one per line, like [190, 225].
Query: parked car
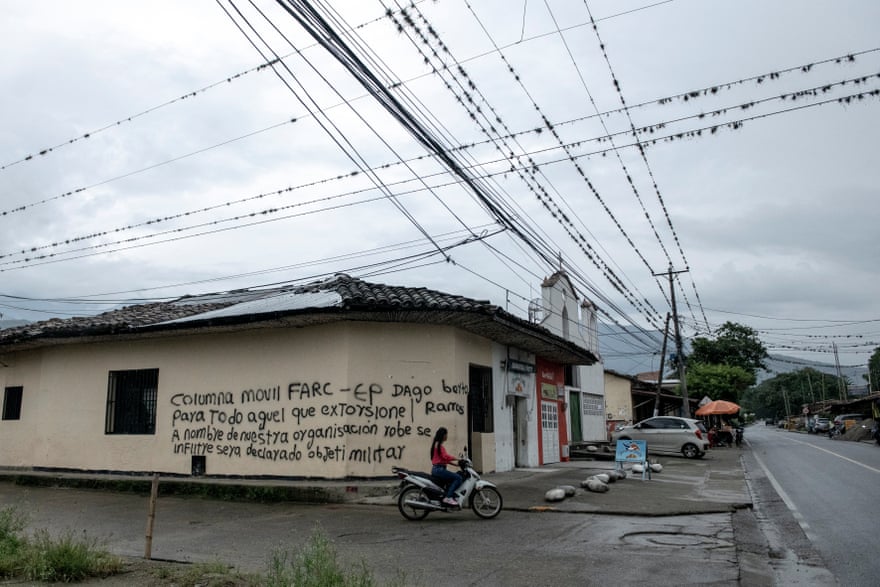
[839, 421]
[821, 425]
[668, 435]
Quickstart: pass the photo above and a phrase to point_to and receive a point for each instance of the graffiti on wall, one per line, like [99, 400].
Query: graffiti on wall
[313, 420]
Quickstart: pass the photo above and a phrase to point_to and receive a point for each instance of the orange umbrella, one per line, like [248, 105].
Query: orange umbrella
[719, 406]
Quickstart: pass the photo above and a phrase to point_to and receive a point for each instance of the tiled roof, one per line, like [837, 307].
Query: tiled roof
[114, 321]
[335, 298]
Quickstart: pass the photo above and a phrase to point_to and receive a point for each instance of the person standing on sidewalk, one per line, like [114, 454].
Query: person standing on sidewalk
[439, 459]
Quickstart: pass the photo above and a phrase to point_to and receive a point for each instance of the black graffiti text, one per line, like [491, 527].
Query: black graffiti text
[376, 454]
[265, 437]
[275, 454]
[443, 407]
[263, 417]
[361, 411]
[414, 391]
[300, 390]
[460, 389]
[398, 429]
[270, 394]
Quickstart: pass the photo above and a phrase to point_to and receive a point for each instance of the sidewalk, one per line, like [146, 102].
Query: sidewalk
[716, 483]
[713, 484]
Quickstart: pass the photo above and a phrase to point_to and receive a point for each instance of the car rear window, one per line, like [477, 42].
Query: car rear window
[702, 427]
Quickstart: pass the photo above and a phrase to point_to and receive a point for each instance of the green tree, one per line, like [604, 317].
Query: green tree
[873, 376]
[734, 345]
[787, 393]
[718, 381]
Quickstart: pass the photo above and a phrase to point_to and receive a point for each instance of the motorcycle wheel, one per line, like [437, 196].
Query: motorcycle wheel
[412, 493]
[486, 502]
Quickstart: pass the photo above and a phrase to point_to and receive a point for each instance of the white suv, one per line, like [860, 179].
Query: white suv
[668, 434]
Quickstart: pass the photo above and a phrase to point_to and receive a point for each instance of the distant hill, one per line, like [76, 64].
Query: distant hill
[782, 364]
[631, 354]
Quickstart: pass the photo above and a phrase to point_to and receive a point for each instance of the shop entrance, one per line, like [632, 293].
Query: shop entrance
[550, 432]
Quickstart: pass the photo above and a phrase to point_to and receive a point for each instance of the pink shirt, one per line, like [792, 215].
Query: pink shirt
[441, 457]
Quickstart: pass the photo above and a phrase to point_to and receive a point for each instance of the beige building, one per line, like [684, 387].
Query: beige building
[341, 378]
[618, 399]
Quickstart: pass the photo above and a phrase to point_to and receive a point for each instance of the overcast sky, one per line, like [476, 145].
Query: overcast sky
[146, 154]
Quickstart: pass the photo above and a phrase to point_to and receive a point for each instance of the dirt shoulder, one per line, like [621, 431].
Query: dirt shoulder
[140, 572]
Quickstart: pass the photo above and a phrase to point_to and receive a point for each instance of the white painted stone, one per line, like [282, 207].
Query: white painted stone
[555, 494]
[603, 477]
[596, 486]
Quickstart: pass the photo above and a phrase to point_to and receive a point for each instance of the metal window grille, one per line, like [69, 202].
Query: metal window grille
[131, 402]
[12, 403]
[592, 405]
[480, 399]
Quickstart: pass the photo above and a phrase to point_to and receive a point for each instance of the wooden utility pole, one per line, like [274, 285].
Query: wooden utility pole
[686, 408]
[841, 384]
[151, 517]
[660, 376]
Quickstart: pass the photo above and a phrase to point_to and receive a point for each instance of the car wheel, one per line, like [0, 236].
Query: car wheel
[690, 451]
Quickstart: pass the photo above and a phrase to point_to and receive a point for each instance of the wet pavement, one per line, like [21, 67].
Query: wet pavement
[713, 484]
[694, 514]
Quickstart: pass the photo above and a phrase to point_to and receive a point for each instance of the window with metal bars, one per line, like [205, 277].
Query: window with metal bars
[480, 402]
[131, 402]
[12, 403]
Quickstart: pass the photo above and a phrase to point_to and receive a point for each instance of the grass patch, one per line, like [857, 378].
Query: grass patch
[74, 557]
[12, 524]
[316, 565]
[214, 574]
[66, 559]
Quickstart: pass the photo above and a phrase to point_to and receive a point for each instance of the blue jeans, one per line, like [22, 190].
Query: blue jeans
[453, 479]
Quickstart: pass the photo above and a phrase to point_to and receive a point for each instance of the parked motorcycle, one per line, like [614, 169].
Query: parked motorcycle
[738, 435]
[420, 494]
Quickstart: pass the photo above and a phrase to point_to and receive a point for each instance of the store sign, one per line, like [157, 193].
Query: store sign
[520, 366]
[548, 391]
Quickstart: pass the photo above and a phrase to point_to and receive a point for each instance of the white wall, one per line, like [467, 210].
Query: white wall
[509, 406]
[560, 300]
[391, 385]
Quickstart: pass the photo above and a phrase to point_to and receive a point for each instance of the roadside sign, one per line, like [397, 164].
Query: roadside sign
[633, 451]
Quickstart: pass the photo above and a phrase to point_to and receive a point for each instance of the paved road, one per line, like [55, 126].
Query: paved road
[832, 488]
[691, 524]
[517, 548]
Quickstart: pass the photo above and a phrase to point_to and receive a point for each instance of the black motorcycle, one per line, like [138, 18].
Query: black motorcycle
[738, 435]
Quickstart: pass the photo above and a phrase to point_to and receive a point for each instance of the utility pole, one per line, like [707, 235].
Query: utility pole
[841, 384]
[681, 370]
[660, 376]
